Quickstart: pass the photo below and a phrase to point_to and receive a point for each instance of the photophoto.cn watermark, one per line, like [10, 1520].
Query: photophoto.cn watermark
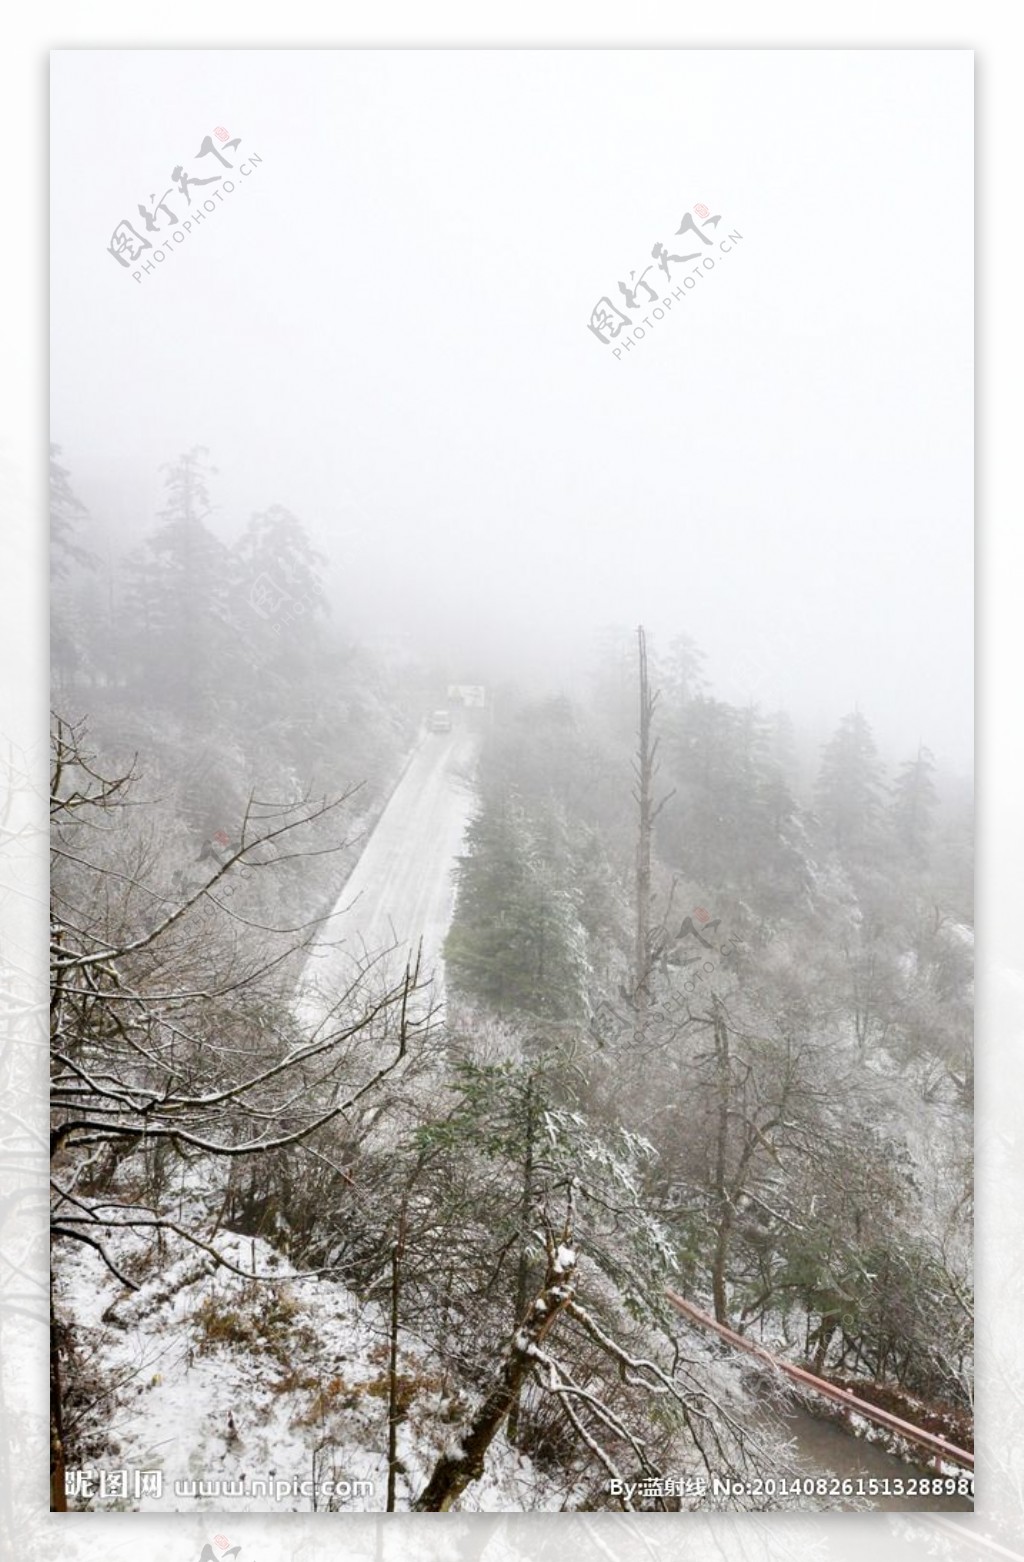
[674, 277]
[178, 214]
[272, 601]
[699, 924]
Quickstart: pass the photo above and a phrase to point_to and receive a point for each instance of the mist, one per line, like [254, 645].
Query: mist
[511, 815]
[385, 330]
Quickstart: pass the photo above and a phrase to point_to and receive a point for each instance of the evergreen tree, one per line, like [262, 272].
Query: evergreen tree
[516, 942]
[849, 786]
[913, 804]
[681, 676]
[68, 558]
[67, 513]
[275, 549]
[276, 595]
[178, 585]
[732, 821]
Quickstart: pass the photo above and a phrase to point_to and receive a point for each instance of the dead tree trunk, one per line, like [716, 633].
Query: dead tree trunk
[523, 1267]
[725, 1208]
[455, 1471]
[644, 770]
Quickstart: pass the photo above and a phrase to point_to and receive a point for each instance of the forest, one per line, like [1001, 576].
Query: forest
[705, 1026]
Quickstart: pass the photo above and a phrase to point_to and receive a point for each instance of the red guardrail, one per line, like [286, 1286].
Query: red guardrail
[931, 1440]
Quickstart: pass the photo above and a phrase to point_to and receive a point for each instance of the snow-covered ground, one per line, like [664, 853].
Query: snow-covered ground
[240, 1395]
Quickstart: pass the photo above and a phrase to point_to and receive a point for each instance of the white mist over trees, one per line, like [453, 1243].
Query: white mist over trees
[707, 1024]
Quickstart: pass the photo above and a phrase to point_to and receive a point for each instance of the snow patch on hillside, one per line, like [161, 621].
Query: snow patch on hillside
[256, 1387]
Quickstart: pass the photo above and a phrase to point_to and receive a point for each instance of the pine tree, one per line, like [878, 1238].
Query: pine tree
[516, 941]
[67, 513]
[69, 564]
[913, 804]
[178, 582]
[277, 573]
[275, 597]
[681, 676]
[849, 786]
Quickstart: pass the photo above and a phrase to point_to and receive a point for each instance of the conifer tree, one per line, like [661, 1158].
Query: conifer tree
[849, 786]
[913, 804]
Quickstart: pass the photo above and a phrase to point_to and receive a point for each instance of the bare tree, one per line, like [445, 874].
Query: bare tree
[456, 1470]
[176, 1040]
[645, 769]
[577, 1360]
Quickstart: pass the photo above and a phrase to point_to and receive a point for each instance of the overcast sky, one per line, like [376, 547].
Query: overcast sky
[384, 327]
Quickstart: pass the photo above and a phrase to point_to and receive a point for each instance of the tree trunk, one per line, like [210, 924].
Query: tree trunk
[645, 779]
[725, 1209]
[720, 1266]
[393, 1397]
[455, 1471]
[58, 1495]
[523, 1267]
[828, 1327]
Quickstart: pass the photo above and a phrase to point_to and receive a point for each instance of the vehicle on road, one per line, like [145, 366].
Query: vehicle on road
[441, 721]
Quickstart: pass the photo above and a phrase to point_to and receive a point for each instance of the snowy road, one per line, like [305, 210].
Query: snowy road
[402, 889]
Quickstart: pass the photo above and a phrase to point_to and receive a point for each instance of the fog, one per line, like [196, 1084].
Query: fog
[512, 854]
[384, 328]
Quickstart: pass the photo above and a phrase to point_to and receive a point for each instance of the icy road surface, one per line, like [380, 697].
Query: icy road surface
[402, 889]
